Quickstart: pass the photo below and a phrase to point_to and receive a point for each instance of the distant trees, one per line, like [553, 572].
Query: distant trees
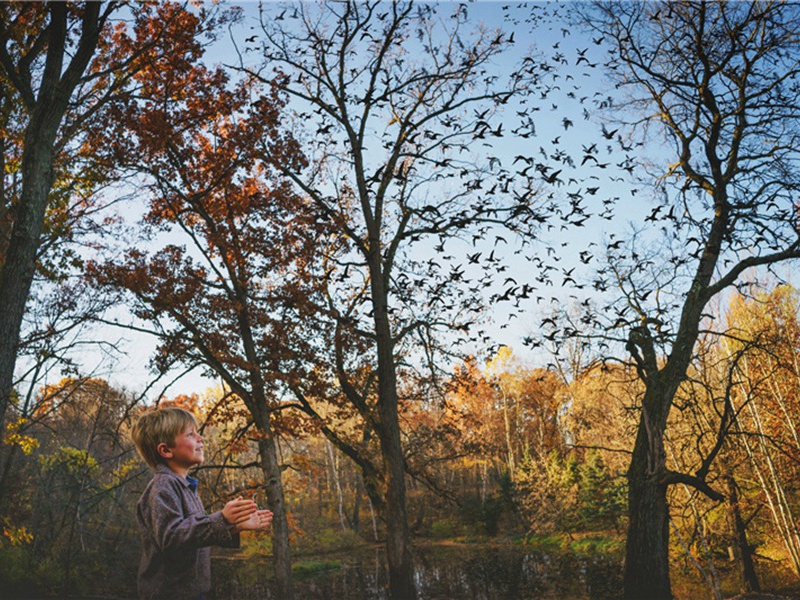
[522, 461]
[716, 80]
[68, 495]
[510, 409]
[764, 329]
[79, 477]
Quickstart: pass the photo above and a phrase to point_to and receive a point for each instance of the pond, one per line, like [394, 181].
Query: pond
[464, 572]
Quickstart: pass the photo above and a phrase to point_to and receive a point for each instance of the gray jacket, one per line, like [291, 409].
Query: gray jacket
[176, 532]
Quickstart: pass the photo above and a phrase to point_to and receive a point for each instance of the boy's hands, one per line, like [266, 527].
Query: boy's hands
[257, 520]
[239, 510]
[245, 516]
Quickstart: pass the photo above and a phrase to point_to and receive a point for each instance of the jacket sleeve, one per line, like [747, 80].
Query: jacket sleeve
[173, 529]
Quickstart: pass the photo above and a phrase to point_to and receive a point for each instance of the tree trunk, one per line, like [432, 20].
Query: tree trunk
[398, 542]
[337, 482]
[6, 485]
[355, 522]
[268, 452]
[647, 547]
[20, 260]
[743, 551]
[401, 566]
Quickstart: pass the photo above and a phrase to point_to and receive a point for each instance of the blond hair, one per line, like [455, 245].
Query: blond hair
[160, 426]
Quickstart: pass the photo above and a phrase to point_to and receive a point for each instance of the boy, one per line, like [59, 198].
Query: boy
[175, 531]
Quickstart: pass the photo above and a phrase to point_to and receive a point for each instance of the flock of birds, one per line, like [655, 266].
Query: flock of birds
[556, 199]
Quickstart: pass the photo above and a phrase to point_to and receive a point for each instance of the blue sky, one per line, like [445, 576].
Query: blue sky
[552, 134]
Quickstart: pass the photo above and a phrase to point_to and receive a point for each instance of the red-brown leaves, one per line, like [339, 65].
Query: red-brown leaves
[231, 292]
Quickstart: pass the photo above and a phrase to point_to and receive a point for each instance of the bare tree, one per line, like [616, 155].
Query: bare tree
[718, 82]
[400, 100]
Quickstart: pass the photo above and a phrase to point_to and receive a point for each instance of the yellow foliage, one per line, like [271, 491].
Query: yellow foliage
[70, 460]
[119, 474]
[14, 438]
[501, 361]
[17, 536]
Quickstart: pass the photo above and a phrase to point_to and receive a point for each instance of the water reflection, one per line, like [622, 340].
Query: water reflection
[442, 573]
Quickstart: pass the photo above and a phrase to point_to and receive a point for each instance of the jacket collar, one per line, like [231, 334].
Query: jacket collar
[188, 482]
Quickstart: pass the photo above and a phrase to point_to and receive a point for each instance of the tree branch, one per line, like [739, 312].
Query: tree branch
[697, 483]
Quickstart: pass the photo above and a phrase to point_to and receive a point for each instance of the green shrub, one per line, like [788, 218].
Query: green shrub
[326, 539]
[545, 544]
[14, 564]
[597, 545]
[49, 574]
[601, 496]
[443, 530]
[308, 567]
[483, 515]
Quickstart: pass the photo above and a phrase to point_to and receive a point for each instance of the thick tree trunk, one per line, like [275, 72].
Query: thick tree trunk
[647, 547]
[273, 483]
[18, 268]
[401, 566]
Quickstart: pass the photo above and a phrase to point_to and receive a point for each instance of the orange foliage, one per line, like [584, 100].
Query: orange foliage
[190, 403]
[507, 409]
[232, 295]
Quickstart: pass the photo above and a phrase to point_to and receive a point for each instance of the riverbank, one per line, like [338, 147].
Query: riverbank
[555, 567]
[580, 566]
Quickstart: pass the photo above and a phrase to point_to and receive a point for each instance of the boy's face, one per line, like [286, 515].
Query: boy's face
[185, 452]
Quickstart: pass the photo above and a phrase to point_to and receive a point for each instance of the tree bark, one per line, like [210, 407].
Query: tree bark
[401, 566]
[20, 260]
[647, 547]
[268, 452]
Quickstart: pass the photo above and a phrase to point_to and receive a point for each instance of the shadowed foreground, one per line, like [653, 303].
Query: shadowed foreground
[478, 573]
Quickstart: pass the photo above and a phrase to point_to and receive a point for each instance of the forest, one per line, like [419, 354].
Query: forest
[481, 300]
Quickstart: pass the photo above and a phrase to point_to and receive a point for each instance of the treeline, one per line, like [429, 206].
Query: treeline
[511, 452]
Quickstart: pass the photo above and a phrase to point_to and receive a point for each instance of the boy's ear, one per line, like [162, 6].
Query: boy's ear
[164, 450]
